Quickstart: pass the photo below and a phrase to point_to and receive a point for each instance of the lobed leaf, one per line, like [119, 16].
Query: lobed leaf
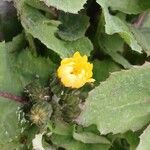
[17, 69]
[120, 103]
[44, 29]
[115, 25]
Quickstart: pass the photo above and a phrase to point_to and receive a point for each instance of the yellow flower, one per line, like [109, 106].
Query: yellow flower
[74, 72]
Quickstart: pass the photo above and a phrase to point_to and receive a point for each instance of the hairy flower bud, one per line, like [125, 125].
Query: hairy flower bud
[40, 113]
[35, 92]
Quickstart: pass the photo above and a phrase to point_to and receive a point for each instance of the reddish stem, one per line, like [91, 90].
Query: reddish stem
[12, 97]
[140, 20]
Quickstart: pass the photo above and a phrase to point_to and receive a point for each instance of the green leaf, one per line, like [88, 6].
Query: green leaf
[44, 29]
[8, 121]
[8, 116]
[28, 134]
[132, 138]
[130, 6]
[13, 145]
[143, 37]
[17, 68]
[73, 26]
[66, 5]
[89, 137]
[141, 31]
[39, 5]
[120, 103]
[102, 69]
[120, 144]
[144, 140]
[146, 21]
[60, 127]
[113, 45]
[126, 141]
[115, 25]
[17, 44]
[70, 144]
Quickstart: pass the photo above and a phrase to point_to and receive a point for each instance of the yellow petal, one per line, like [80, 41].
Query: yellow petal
[75, 71]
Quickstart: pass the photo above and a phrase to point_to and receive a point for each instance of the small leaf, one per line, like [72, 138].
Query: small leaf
[113, 46]
[144, 140]
[143, 37]
[73, 26]
[146, 21]
[132, 138]
[17, 44]
[39, 5]
[129, 6]
[102, 69]
[69, 143]
[120, 103]
[89, 137]
[66, 5]
[60, 128]
[115, 25]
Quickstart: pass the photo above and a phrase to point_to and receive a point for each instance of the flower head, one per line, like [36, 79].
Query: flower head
[75, 71]
[40, 113]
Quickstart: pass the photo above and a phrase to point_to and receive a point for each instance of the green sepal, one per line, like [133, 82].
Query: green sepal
[70, 107]
[36, 92]
[57, 87]
[69, 100]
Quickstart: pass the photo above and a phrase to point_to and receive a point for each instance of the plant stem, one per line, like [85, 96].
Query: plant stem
[138, 23]
[31, 43]
[12, 97]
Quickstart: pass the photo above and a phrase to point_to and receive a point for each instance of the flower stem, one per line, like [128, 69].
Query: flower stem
[12, 97]
[31, 43]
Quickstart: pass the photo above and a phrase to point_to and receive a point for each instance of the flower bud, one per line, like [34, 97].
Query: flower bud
[40, 113]
[35, 92]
